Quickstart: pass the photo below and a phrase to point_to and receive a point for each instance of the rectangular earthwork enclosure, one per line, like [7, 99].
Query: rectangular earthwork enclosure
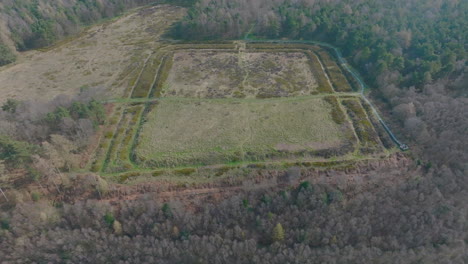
[203, 105]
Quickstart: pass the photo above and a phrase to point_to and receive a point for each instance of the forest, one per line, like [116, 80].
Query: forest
[412, 54]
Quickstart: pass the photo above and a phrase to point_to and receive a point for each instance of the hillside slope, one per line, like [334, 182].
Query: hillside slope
[29, 24]
[103, 56]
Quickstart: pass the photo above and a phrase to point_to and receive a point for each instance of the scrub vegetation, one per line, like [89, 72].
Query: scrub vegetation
[213, 74]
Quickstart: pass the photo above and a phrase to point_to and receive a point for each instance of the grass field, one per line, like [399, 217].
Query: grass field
[181, 132]
[222, 74]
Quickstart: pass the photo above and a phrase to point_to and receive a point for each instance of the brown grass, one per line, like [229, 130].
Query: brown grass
[182, 132]
[102, 56]
[215, 74]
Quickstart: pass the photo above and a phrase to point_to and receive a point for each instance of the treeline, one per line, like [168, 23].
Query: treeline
[419, 40]
[38, 23]
[423, 221]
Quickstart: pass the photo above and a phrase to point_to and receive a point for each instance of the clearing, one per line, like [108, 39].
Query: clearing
[199, 106]
[182, 132]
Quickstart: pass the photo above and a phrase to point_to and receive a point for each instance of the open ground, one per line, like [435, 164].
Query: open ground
[107, 56]
[215, 74]
[194, 131]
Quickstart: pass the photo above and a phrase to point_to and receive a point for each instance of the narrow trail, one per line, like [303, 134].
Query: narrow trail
[345, 65]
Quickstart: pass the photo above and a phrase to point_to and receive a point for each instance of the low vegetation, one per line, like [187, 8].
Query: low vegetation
[118, 156]
[109, 55]
[244, 74]
[322, 80]
[163, 75]
[32, 24]
[339, 81]
[192, 131]
[365, 131]
[147, 77]
[6, 55]
[383, 135]
[337, 113]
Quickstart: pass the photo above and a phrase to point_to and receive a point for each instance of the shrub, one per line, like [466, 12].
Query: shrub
[10, 106]
[35, 196]
[186, 171]
[157, 173]
[96, 167]
[222, 170]
[6, 56]
[109, 134]
[109, 219]
[5, 224]
[126, 176]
